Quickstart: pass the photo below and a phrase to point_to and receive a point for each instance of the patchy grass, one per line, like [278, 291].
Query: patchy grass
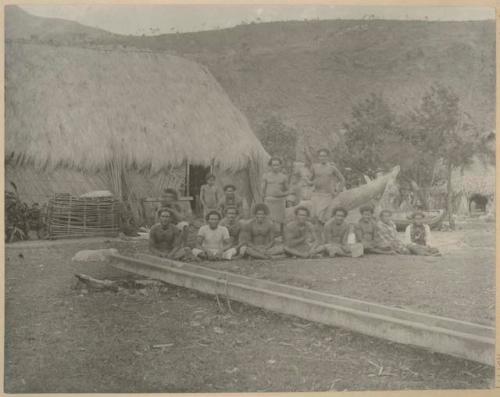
[60, 338]
[460, 284]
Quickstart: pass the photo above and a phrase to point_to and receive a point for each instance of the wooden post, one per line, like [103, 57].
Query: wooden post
[49, 218]
[84, 217]
[449, 200]
[68, 225]
[186, 187]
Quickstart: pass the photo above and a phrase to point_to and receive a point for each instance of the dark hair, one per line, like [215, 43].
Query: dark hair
[261, 207]
[171, 191]
[212, 213]
[165, 209]
[231, 207]
[229, 186]
[324, 150]
[386, 212]
[275, 158]
[366, 208]
[302, 208]
[210, 176]
[337, 209]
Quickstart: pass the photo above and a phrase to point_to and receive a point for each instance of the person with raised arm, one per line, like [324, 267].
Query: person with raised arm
[328, 181]
[275, 192]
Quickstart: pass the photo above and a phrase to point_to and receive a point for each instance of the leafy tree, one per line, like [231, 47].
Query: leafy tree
[437, 132]
[374, 139]
[278, 139]
[442, 130]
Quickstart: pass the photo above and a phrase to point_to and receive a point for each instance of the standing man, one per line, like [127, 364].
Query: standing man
[164, 237]
[275, 191]
[328, 182]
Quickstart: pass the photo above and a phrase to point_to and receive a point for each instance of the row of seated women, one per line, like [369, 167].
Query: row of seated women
[229, 238]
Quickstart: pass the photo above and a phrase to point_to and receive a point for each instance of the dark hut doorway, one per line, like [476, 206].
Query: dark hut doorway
[477, 203]
[196, 176]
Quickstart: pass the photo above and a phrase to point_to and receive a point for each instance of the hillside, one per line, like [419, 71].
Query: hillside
[19, 25]
[308, 74]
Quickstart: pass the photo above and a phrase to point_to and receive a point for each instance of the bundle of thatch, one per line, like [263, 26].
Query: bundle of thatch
[115, 112]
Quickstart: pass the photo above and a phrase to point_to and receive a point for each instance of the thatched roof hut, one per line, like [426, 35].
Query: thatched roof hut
[474, 181]
[477, 178]
[90, 111]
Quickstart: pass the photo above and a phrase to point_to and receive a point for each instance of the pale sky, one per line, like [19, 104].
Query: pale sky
[158, 19]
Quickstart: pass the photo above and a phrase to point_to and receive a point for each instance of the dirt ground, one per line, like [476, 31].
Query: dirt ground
[460, 284]
[61, 338]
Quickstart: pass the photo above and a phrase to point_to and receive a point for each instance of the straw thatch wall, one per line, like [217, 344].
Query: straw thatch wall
[35, 185]
[115, 111]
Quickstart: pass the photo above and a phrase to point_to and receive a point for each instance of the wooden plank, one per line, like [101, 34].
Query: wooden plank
[444, 335]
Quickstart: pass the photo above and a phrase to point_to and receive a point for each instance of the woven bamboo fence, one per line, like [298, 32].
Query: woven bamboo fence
[73, 217]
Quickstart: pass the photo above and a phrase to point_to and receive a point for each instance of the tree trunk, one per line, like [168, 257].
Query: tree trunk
[421, 195]
[449, 198]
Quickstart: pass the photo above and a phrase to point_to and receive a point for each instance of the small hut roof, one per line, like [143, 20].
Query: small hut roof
[476, 178]
[83, 108]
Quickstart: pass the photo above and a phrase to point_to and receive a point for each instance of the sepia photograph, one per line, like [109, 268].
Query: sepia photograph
[249, 198]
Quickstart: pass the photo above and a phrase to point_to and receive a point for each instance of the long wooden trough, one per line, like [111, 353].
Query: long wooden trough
[440, 334]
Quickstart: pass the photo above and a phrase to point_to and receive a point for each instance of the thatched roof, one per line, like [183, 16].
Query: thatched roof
[83, 108]
[477, 178]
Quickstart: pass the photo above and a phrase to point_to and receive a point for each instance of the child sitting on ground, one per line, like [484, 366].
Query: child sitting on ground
[418, 237]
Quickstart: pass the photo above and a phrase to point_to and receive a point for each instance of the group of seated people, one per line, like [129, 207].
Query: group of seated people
[231, 237]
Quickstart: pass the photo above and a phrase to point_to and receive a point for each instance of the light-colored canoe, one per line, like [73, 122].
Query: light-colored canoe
[432, 218]
[356, 197]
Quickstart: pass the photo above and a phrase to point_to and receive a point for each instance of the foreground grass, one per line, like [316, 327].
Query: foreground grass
[60, 338]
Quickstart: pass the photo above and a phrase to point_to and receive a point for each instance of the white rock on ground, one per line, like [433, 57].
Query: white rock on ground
[94, 255]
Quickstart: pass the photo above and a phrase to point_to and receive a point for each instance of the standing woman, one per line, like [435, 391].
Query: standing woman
[209, 195]
[275, 191]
